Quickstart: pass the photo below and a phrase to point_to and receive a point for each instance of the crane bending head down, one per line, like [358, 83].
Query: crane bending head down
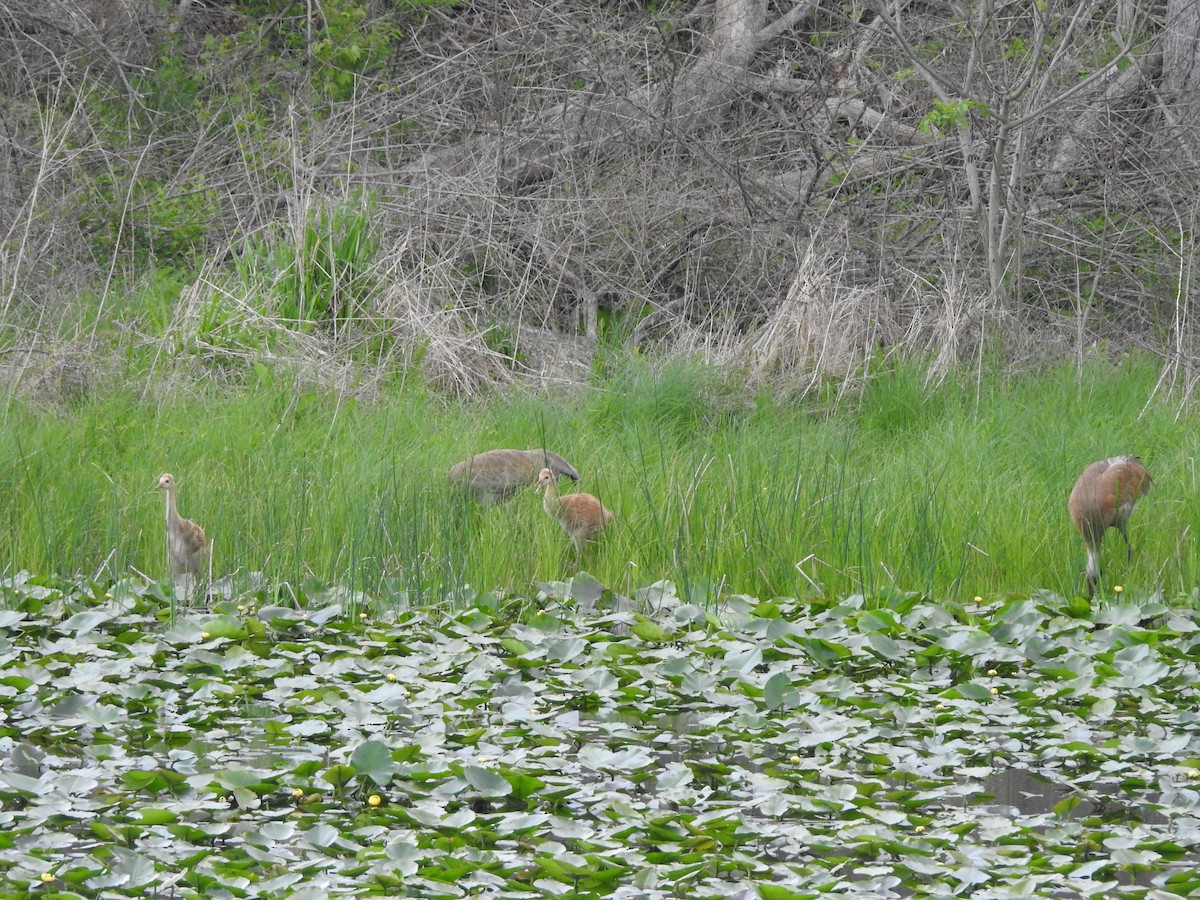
[1103, 498]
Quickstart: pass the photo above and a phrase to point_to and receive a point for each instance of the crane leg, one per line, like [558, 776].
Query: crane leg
[1125, 534]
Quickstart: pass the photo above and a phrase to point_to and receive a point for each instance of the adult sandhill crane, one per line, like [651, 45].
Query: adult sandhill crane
[581, 516]
[186, 544]
[498, 473]
[1103, 498]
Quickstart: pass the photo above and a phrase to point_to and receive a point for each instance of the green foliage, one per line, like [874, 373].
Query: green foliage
[150, 220]
[328, 277]
[173, 87]
[172, 220]
[350, 48]
[413, 753]
[673, 399]
[155, 203]
[949, 117]
[953, 491]
[320, 279]
[343, 43]
[1017, 49]
[225, 323]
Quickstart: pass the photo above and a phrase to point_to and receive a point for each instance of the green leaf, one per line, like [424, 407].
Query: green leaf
[487, 782]
[1067, 804]
[514, 646]
[585, 589]
[231, 778]
[339, 776]
[884, 646]
[153, 816]
[374, 759]
[973, 691]
[524, 785]
[224, 627]
[83, 622]
[648, 631]
[778, 690]
[877, 620]
[778, 892]
[824, 651]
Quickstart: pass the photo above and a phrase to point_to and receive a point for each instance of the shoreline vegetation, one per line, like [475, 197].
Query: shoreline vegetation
[829, 304]
[762, 272]
[952, 490]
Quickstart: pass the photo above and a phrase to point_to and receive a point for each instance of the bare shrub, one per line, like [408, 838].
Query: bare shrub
[950, 325]
[824, 326]
[53, 375]
[452, 357]
[543, 178]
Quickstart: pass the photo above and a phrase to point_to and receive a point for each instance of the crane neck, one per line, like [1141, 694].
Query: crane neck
[550, 501]
[172, 513]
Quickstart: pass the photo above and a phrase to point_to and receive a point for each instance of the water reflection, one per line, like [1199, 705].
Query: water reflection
[1031, 794]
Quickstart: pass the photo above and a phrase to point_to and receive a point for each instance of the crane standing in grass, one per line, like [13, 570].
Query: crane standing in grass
[1103, 498]
[498, 473]
[581, 516]
[187, 547]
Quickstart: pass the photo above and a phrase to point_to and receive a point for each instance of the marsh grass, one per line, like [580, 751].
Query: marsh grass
[952, 491]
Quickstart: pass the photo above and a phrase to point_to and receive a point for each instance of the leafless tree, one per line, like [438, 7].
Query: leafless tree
[792, 183]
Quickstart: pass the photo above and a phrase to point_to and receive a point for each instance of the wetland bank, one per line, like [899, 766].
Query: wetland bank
[829, 304]
[953, 490]
[394, 690]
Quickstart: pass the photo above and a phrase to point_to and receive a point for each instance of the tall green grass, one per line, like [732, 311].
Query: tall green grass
[956, 491]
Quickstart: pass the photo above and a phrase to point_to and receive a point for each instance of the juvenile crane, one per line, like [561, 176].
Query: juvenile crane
[1103, 498]
[498, 473]
[187, 547]
[581, 516]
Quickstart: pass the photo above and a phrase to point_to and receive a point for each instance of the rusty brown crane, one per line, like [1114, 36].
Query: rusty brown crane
[498, 473]
[187, 547]
[1103, 498]
[581, 516]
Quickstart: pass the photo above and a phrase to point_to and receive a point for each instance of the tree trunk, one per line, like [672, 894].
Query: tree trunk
[595, 127]
[704, 90]
[1181, 70]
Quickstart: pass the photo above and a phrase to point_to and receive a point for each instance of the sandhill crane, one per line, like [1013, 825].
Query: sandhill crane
[581, 516]
[498, 473]
[1103, 498]
[186, 544]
